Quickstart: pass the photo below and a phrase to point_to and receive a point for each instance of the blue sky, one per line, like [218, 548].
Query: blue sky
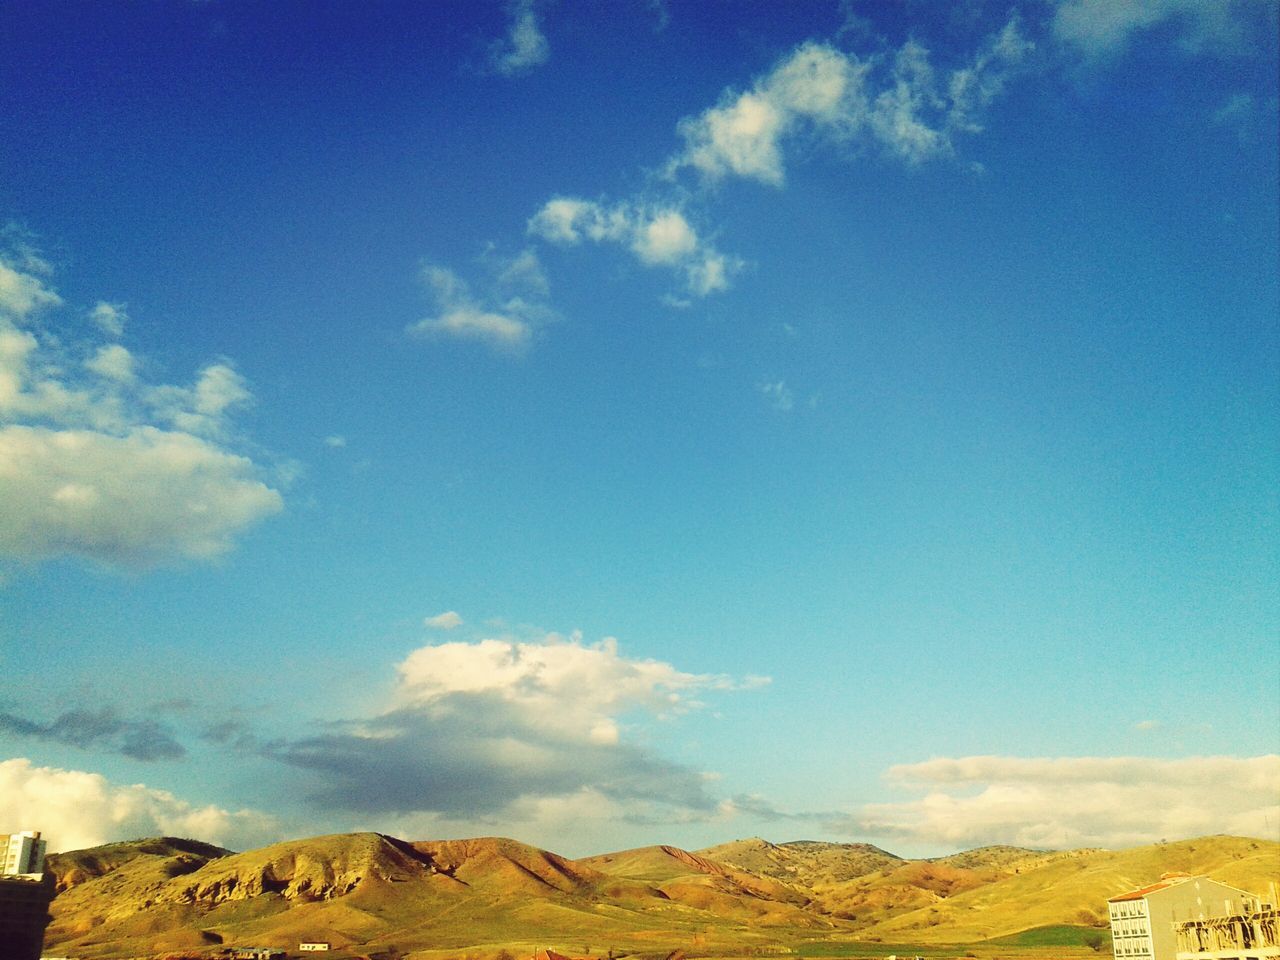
[605, 424]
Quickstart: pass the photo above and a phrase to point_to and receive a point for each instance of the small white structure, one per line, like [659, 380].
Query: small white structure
[1142, 920]
[22, 854]
[313, 948]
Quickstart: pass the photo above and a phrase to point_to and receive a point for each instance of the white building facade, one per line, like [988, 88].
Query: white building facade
[21, 854]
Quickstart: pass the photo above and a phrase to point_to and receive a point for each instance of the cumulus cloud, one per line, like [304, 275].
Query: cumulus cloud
[657, 234]
[524, 47]
[1105, 27]
[96, 462]
[76, 809]
[477, 729]
[134, 499]
[101, 729]
[444, 621]
[900, 103]
[504, 319]
[1076, 801]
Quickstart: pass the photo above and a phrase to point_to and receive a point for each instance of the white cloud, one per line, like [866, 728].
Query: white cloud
[657, 234]
[1105, 27]
[97, 463]
[75, 809]
[1077, 801]
[22, 294]
[558, 683]
[504, 319]
[524, 46]
[335, 441]
[740, 137]
[743, 134]
[665, 239]
[899, 104]
[135, 499]
[444, 621]
[109, 317]
[113, 362]
[475, 728]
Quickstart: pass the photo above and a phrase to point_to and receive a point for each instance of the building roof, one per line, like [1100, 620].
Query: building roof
[1166, 881]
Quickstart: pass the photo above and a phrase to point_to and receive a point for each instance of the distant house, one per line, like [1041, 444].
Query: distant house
[1142, 920]
[254, 953]
[313, 947]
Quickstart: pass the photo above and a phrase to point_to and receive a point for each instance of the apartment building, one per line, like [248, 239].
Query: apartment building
[1142, 920]
[22, 853]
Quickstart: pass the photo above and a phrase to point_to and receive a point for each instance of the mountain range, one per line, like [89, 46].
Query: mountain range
[368, 894]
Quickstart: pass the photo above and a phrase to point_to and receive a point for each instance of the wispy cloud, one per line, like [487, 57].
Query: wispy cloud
[1106, 27]
[97, 462]
[23, 293]
[1075, 801]
[524, 47]
[100, 729]
[109, 317]
[901, 104]
[779, 395]
[1244, 116]
[657, 234]
[503, 318]
[448, 620]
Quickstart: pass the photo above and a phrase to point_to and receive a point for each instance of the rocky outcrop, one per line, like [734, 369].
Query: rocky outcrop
[324, 868]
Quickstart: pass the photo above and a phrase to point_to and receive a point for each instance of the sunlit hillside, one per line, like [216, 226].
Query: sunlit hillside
[367, 892]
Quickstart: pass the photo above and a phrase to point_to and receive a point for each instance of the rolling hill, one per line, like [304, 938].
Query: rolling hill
[368, 894]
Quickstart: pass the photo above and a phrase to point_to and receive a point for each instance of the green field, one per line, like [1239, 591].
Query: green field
[1056, 935]
[844, 948]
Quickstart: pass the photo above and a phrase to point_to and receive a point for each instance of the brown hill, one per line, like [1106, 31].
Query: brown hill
[371, 893]
[165, 856]
[1006, 858]
[807, 862]
[860, 882]
[708, 885]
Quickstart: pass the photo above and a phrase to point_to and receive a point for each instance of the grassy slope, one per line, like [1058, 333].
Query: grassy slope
[1056, 891]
